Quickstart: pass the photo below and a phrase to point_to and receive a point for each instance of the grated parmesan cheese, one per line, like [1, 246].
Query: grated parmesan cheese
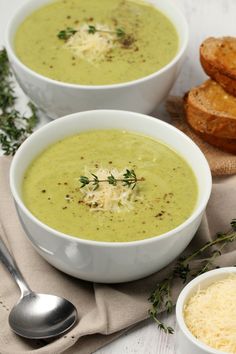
[108, 197]
[211, 315]
[91, 47]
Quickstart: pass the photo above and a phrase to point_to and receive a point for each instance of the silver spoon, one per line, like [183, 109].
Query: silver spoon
[37, 316]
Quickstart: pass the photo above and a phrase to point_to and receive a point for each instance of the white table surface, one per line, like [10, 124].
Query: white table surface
[206, 18]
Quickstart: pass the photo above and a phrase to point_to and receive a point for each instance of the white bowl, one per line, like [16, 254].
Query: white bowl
[185, 340]
[57, 99]
[106, 261]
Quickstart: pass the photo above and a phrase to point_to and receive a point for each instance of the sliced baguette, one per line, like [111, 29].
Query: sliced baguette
[218, 59]
[210, 110]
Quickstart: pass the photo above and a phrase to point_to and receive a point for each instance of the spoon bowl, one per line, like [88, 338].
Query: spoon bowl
[42, 316]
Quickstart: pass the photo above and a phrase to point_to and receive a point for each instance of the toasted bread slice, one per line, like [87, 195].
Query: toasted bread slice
[218, 59]
[224, 144]
[210, 110]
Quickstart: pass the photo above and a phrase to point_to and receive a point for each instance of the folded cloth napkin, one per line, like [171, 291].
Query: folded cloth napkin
[105, 311]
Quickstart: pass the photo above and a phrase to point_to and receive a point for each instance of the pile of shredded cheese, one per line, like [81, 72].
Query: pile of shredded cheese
[91, 47]
[211, 315]
[108, 197]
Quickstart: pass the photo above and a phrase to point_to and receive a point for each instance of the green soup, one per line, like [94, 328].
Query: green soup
[112, 41]
[164, 196]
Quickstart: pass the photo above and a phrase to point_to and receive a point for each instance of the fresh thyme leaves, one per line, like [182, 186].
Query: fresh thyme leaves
[162, 326]
[85, 180]
[183, 269]
[129, 179]
[119, 31]
[69, 32]
[161, 296]
[14, 128]
[91, 29]
[111, 180]
[7, 98]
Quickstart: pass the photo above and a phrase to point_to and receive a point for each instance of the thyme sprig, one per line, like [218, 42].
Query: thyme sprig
[183, 269]
[129, 179]
[14, 127]
[119, 32]
[65, 34]
[161, 296]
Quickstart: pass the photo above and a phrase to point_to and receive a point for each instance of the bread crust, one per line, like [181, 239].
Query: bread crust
[224, 144]
[205, 120]
[213, 53]
[228, 84]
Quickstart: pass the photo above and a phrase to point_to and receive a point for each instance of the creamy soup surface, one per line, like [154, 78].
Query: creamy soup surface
[164, 196]
[104, 42]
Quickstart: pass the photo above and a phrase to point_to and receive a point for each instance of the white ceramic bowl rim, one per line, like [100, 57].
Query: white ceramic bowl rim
[179, 54]
[188, 221]
[181, 301]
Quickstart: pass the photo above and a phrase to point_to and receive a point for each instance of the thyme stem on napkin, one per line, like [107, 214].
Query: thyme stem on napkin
[161, 296]
[14, 127]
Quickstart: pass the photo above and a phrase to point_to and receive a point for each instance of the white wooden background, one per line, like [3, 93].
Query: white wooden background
[206, 18]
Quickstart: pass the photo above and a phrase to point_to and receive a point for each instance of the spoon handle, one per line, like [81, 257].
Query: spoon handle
[10, 264]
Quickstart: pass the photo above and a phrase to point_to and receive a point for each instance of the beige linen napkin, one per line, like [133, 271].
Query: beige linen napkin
[105, 311]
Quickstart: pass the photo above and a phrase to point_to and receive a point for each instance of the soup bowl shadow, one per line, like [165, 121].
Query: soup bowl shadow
[109, 262]
[56, 98]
